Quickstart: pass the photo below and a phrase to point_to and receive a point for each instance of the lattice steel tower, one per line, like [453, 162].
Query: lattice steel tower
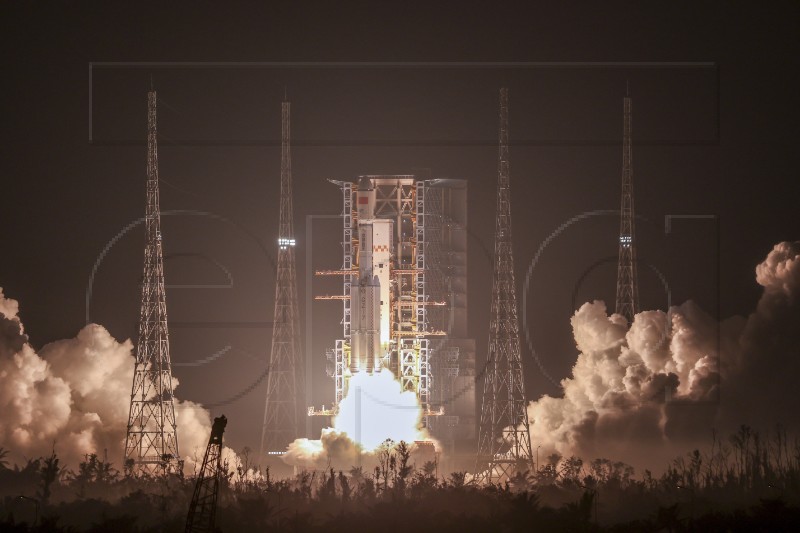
[151, 445]
[627, 284]
[280, 425]
[203, 508]
[504, 442]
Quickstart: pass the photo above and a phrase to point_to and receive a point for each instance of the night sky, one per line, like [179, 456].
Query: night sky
[389, 90]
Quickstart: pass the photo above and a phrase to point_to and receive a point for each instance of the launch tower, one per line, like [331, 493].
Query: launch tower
[404, 292]
[384, 301]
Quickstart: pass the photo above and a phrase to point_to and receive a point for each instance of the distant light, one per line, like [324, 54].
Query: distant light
[625, 240]
[283, 242]
[275, 453]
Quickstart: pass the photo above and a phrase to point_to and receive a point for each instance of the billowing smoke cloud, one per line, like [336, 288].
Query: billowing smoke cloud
[642, 394]
[648, 393]
[333, 448]
[375, 409]
[760, 377]
[74, 395]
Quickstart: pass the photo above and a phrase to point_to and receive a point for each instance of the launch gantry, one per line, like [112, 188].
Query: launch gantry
[385, 297]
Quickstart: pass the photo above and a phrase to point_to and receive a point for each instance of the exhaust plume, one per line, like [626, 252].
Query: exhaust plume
[648, 393]
[73, 396]
[383, 411]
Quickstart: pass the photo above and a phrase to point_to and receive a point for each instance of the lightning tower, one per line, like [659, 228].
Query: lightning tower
[627, 284]
[280, 426]
[151, 445]
[504, 442]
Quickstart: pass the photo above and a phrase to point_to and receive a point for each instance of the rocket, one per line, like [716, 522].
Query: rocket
[370, 295]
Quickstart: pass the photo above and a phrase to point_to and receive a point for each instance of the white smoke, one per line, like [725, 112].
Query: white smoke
[641, 395]
[383, 411]
[760, 375]
[333, 449]
[74, 395]
[647, 393]
[375, 409]
[779, 274]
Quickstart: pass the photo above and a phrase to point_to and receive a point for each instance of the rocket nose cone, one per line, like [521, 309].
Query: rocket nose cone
[364, 183]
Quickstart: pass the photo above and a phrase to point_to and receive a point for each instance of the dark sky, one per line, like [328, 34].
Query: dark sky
[715, 129]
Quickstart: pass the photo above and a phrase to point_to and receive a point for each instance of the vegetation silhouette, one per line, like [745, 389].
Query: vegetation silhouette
[749, 482]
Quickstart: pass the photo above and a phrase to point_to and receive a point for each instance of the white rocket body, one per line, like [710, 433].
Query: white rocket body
[369, 296]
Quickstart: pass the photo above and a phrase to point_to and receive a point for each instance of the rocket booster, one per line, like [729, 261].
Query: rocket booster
[365, 335]
[370, 296]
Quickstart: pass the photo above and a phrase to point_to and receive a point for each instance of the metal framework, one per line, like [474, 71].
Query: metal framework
[349, 248]
[416, 374]
[151, 444]
[444, 356]
[281, 407]
[420, 275]
[504, 442]
[203, 509]
[435, 284]
[627, 284]
[401, 198]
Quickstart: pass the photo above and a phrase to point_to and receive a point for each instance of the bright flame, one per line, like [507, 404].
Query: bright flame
[386, 411]
[375, 409]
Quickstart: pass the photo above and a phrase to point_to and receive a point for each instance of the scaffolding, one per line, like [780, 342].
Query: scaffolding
[400, 198]
[428, 312]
